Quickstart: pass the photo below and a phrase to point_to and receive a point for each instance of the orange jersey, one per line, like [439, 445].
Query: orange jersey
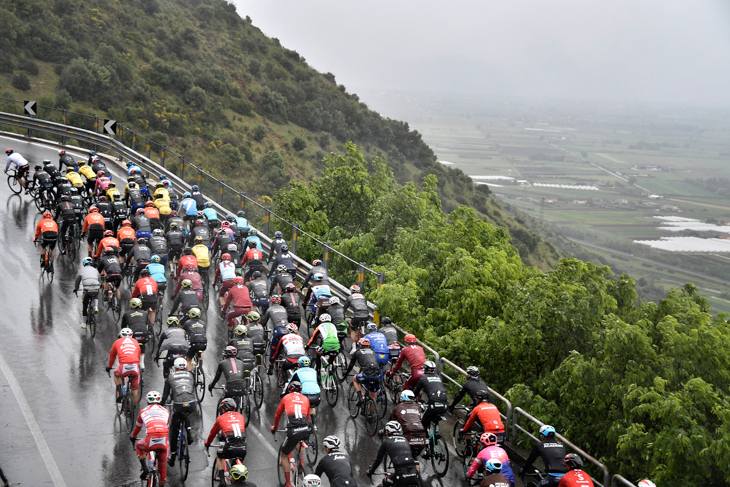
[46, 225]
[126, 349]
[106, 242]
[152, 213]
[126, 233]
[93, 219]
[488, 415]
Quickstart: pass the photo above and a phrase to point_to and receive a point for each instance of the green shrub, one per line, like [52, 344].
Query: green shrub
[299, 144]
[259, 132]
[21, 82]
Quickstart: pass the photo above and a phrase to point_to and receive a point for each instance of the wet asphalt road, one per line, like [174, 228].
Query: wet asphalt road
[59, 422]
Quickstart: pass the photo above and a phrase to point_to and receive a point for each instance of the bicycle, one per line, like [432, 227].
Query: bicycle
[43, 198]
[537, 475]
[91, 313]
[47, 271]
[68, 246]
[199, 377]
[243, 405]
[14, 181]
[153, 474]
[464, 443]
[256, 386]
[295, 463]
[394, 384]
[126, 406]
[367, 408]
[328, 379]
[226, 467]
[183, 454]
[112, 302]
[436, 449]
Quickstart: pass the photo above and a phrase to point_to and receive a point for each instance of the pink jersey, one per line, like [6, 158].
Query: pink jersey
[489, 453]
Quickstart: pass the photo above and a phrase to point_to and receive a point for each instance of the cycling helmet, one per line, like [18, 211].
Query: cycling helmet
[9, 151]
[188, 251]
[173, 321]
[227, 404]
[47, 162]
[393, 428]
[312, 480]
[195, 187]
[173, 226]
[112, 184]
[488, 439]
[325, 318]
[92, 153]
[82, 163]
[253, 316]
[180, 363]
[384, 321]
[371, 327]
[363, 342]
[100, 174]
[240, 213]
[316, 262]
[132, 185]
[275, 299]
[253, 231]
[547, 430]
[199, 239]
[108, 251]
[108, 233]
[238, 472]
[280, 268]
[187, 195]
[74, 190]
[135, 303]
[126, 332]
[334, 300]
[230, 351]
[47, 214]
[69, 169]
[93, 209]
[294, 386]
[238, 280]
[410, 339]
[154, 397]
[126, 223]
[292, 328]
[573, 461]
[252, 245]
[157, 232]
[61, 152]
[234, 248]
[129, 164]
[481, 396]
[318, 276]
[278, 234]
[646, 483]
[472, 372]
[155, 258]
[65, 197]
[304, 361]
[241, 330]
[142, 241]
[285, 248]
[194, 312]
[86, 261]
[149, 204]
[256, 274]
[429, 367]
[493, 466]
[38, 167]
[144, 272]
[225, 224]
[173, 212]
[354, 289]
[290, 287]
[407, 396]
[331, 442]
[208, 204]
[226, 257]
[140, 211]
[230, 218]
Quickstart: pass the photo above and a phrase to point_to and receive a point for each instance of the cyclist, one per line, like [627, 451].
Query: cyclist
[238, 302]
[242, 223]
[472, 387]
[140, 255]
[491, 451]
[78, 203]
[142, 224]
[488, 416]
[158, 244]
[157, 272]
[63, 187]
[89, 277]
[112, 191]
[292, 345]
[89, 176]
[312, 480]
[391, 336]
[74, 178]
[646, 483]
[244, 345]
[195, 328]
[575, 476]
[156, 419]
[415, 356]
[197, 196]
[153, 214]
[136, 319]
[132, 167]
[257, 333]
[47, 230]
[175, 240]
[108, 242]
[200, 229]
[232, 249]
[276, 245]
[396, 447]
[408, 415]
[51, 170]
[253, 236]
[253, 260]
[188, 208]
[119, 210]
[552, 453]
[126, 236]
[325, 337]
[281, 279]
[180, 387]
[66, 160]
[146, 289]
[102, 183]
[296, 406]
[234, 371]
[359, 306]
[336, 464]
[187, 262]
[258, 290]
[378, 343]
[133, 197]
[105, 208]
[202, 253]
[232, 426]
[337, 317]
[175, 218]
[277, 333]
[434, 388]
[111, 269]
[187, 298]
[291, 301]
[286, 259]
[276, 314]
[42, 180]
[307, 376]
[223, 238]
[126, 350]
[226, 272]
[494, 475]
[66, 214]
[175, 342]
[317, 267]
[369, 369]
[93, 228]
[20, 163]
[210, 215]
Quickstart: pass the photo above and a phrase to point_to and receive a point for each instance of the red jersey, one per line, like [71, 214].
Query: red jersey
[155, 418]
[146, 286]
[238, 297]
[93, 219]
[193, 276]
[187, 262]
[576, 478]
[107, 242]
[126, 349]
[231, 424]
[415, 356]
[296, 406]
[252, 254]
[126, 233]
[45, 225]
[488, 415]
[152, 213]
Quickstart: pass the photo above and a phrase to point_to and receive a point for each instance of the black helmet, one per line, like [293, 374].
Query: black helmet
[227, 404]
[384, 321]
[573, 461]
[294, 386]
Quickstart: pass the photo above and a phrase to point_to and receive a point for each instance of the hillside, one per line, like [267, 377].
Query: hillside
[197, 77]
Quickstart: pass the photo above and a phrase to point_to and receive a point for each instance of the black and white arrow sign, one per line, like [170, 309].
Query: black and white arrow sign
[31, 107]
[110, 127]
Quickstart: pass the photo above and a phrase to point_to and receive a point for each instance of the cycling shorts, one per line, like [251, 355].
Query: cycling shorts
[116, 279]
[314, 400]
[370, 381]
[149, 301]
[357, 322]
[234, 447]
[294, 434]
[225, 287]
[144, 234]
[402, 477]
[23, 171]
[49, 239]
[149, 443]
[195, 348]
[131, 371]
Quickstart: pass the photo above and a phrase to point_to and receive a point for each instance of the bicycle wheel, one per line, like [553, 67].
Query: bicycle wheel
[206, 297]
[279, 470]
[115, 307]
[395, 386]
[440, 456]
[313, 450]
[460, 443]
[38, 201]
[331, 393]
[246, 408]
[14, 184]
[214, 476]
[91, 316]
[381, 402]
[129, 410]
[372, 419]
[184, 457]
[71, 250]
[199, 383]
[158, 321]
[352, 406]
[258, 390]
[467, 460]
[340, 367]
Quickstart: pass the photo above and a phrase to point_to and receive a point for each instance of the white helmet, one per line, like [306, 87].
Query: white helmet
[312, 480]
[180, 363]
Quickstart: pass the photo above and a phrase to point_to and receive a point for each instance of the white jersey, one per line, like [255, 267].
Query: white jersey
[227, 270]
[293, 345]
[16, 159]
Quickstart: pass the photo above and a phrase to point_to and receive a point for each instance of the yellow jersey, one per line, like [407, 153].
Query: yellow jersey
[87, 172]
[111, 192]
[74, 178]
[202, 253]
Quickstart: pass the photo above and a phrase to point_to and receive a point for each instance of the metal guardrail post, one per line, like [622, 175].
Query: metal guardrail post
[376, 313]
[267, 220]
[182, 167]
[162, 156]
[63, 117]
[149, 149]
[294, 238]
[134, 140]
[361, 276]
[200, 176]
[326, 256]
[243, 200]
[220, 192]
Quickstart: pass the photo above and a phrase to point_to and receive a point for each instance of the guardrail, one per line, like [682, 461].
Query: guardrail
[617, 480]
[152, 168]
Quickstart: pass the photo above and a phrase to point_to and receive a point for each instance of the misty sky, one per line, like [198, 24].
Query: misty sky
[626, 50]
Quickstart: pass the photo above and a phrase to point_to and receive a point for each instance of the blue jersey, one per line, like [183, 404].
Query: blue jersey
[132, 169]
[308, 377]
[242, 223]
[210, 214]
[253, 238]
[379, 344]
[157, 272]
[189, 206]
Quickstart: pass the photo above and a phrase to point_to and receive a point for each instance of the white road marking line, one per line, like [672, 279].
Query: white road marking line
[35, 429]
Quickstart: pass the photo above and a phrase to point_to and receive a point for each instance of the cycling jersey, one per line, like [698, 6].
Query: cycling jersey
[226, 271]
[292, 345]
[337, 312]
[279, 283]
[314, 270]
[142, 223]
[365, 358]
[210, 214]
[290, 301]
[276, 314]
[132, 169]
[495, 480]
[244, 345]
[251, 255]
[141, 254]
[202, 232]
[189, 206]
[42, 179]
[472, 387]
[256, 240]
[175, 239]
[286, 259]
[89, 278]
[408, 414]
[126, 235]
[258, 288]
[296, 406]
[230, 424]
[68, 161]
[308, 377]
[198, 198]
[158, 244]
[275, 247]
[195, 328]
[239, 299]
[87, 172]
[399, 452]
[576, 478]
[126, 350]
[17, 160]
[379, 344]
[93, 222]
[155, 419]
[202, 253]
[187, 262]
[552, 453]
[489, 417]
[242, 223]
[175, 342]
[233, 370]
[107, 243]
[46, 226]
[180, 386]
[358, 305]
[109, 264]
[74, 179]
[102, 184]
[152, 213]
[157, 272]
[338, 468]
[145, 287]
[186, 299]
[136, 320]
[492, 452]
[328, 334]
